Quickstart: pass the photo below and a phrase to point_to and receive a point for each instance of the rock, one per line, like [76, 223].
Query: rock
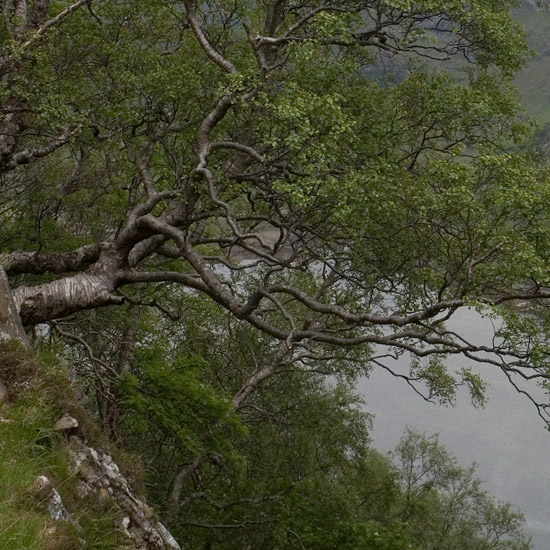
[99, 473]
[65, 423]
[50, 498]
[82, 490]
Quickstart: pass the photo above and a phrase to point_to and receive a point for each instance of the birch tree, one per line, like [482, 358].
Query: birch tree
[338, 175]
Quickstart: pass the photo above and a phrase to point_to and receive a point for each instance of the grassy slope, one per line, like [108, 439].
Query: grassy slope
[29, 447]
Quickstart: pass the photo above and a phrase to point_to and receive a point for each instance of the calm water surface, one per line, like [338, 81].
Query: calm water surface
[507, 439]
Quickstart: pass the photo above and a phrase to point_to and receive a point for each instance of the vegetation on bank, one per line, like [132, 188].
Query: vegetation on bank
[301, 470]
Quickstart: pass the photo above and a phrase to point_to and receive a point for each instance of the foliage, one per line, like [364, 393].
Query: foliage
[273, 192]
[307, 478]
[443, 504]
[302, 473]
[222, 129]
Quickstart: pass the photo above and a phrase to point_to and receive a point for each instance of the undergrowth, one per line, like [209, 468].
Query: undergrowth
[38, 395]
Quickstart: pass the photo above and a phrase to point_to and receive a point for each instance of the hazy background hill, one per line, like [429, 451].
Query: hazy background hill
[534, 80]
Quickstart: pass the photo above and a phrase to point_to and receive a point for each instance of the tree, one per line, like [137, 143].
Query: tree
[240, 151]
[443, 504]
[303, 475]
[336, 177]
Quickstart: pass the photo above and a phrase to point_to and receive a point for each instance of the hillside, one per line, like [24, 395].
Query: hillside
[60, 489]
[534, 80]
[144, 148]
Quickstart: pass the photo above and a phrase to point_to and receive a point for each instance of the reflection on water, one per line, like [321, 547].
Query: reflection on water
[507, 439]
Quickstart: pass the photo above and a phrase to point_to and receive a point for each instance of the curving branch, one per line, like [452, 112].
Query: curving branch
[17, 263]
[206, 45]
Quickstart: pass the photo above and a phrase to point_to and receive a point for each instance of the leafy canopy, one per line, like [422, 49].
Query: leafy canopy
[356, 154]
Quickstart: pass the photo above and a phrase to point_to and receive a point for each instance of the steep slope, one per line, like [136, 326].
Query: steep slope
[60, 488]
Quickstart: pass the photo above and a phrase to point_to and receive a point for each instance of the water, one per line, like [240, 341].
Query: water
[507, 439]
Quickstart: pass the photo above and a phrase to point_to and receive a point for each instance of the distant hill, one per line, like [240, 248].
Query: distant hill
[529, 4]
[534, 80]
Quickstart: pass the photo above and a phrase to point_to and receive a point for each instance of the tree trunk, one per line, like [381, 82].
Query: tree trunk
[62, 297]
[10, 322]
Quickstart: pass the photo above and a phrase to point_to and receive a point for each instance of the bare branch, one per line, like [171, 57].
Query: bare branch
[208, 48]
[52, 22]
[28, 155]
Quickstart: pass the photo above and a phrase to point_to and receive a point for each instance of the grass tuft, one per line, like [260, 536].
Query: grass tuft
[29, 447]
